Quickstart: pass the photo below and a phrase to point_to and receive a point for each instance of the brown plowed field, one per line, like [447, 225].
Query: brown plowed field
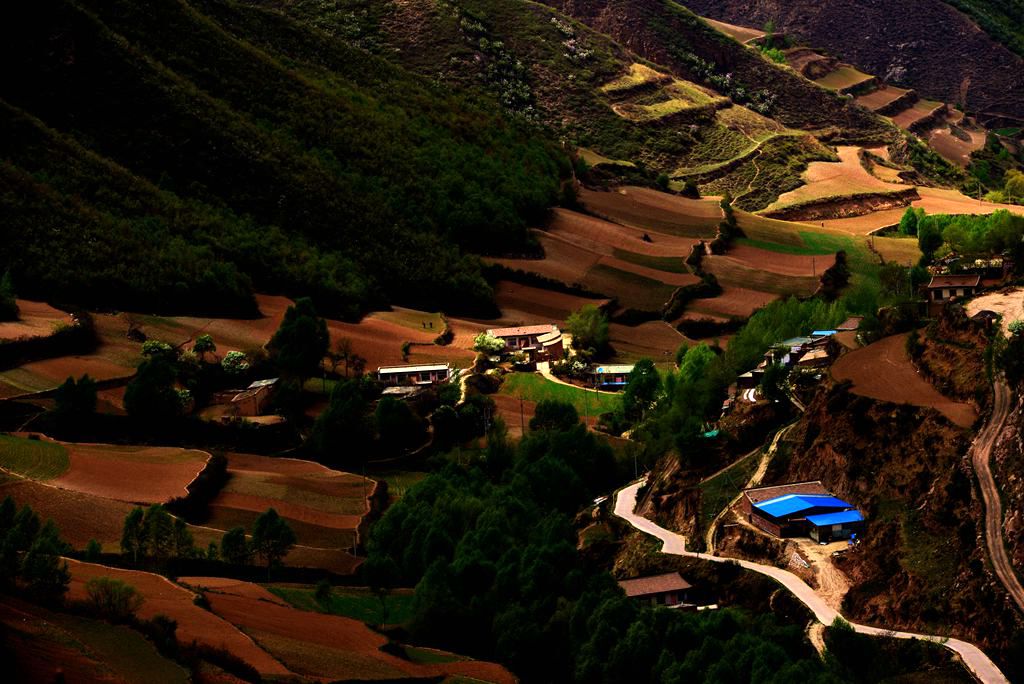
[508, 408]
[35, 319]
[674, 279]
[954, 149]
[655, 340]
[650, 209]
[883, 371]
[527, 304]
[571, 226]
[877, 99]
[563, 260]
[330, 646]
[380, 343]
[731, 272]
[163, 597]
[80, 517]
[799, 265]
[734, 301]
[739, 33]
[920, 110]
[323, 506]
[142, 475]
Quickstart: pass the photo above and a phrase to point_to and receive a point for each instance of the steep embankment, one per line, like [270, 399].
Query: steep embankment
[923, 44]
[922, 564]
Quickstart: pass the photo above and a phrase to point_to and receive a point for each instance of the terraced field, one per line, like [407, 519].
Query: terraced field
[845, 79]
[881, 98]
[646, 95]
[741, 34]
[829, 182]
[35, 319]
[921, 111]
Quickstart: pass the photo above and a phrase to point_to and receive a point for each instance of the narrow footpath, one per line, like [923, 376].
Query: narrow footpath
[672, 543]
[980, 457]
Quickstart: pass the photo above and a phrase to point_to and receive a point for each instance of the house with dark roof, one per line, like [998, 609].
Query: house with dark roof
[668, 589]
[942, 288]
[801, 509]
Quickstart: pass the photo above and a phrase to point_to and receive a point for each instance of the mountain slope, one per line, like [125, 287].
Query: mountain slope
[241, 113]
[923, 44]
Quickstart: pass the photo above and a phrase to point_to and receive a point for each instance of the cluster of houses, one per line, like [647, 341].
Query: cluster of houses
[810, 351]
[537, 342]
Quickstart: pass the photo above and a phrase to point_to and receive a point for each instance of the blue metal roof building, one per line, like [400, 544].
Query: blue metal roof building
[819, 515]
[840, 518]
[782, 506]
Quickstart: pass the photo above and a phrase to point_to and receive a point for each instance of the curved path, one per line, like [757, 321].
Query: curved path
[982, 452]
[973, 657]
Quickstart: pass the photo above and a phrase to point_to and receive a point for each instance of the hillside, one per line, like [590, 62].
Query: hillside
[926, 45]
[208, 145]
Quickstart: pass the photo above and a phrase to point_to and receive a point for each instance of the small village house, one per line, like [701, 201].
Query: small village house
[423, 374]
[850, 324]
[253, 400]
[801, 509]
[540, 342]
[615, 375]
[669, 589]
[942, 288]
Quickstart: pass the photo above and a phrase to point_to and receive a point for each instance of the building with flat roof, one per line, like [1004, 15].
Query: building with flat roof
[668, 589]
[612, 375]
[423, 374]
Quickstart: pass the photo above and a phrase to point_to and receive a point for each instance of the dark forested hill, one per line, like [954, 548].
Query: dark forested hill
[171, 155]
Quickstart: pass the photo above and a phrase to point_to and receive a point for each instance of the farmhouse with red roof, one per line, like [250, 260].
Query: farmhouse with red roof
[541, 342]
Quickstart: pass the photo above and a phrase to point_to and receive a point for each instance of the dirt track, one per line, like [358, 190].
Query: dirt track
[980, 455]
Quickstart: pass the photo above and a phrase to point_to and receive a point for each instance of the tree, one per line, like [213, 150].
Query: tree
[343, 431]
[43, 570]
[151, 395]
[641, 390]
[554, 415]
[183, 542]
[133, 535]
[397, 426]
[300, 344]
[589, 328]
[929, 237]
[909, 221]
[383, 575]
[773, 382]
[1014, 187]
[93, 551]
[235, 363]
[158, 528]
[204, 345]
[116, 600]
[8, 302]
[234, 547]
[75, 401]
[486, 344]
[272, 538]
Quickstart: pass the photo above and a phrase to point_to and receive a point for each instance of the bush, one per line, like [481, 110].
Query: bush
[113, 599]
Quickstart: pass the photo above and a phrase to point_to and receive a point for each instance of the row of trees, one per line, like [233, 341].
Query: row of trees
[964, 234]
[30, 554]
[154, 535]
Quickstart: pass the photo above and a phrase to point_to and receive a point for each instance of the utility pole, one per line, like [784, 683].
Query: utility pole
[522, 417]
[814, 269]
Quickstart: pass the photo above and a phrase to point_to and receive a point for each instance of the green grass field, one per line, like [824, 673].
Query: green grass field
[399, 481]
[533, 387]
[351, 602]
[781, 248]
[123, 649]
[33, 458]
[430, 656]
[717, 492]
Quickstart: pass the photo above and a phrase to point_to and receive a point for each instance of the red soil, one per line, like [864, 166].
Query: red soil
[565, 259]
[163, 597]
[142, 475]
[782, 264]
[656, 340]
[542, 305]
[650, 209]
[287, 509]
[734, 301]
[35, 319]
[573, 226]
[380, 342]
[676, 279]
[80, 517]
[883, 370]
[358, 647]
[508, 408]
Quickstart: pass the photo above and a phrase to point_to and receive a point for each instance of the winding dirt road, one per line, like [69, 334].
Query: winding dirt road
[973, 657]
[981, 456]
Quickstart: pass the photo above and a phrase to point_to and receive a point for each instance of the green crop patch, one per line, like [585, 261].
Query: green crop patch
[33, 458]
